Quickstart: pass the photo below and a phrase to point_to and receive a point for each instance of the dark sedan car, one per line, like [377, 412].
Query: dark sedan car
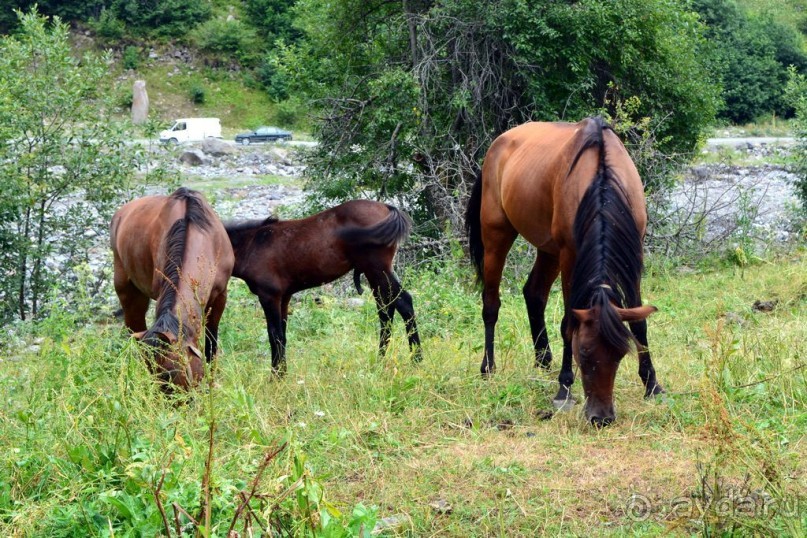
[262, 134]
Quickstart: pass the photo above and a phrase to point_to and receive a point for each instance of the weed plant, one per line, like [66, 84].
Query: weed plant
[90, 447]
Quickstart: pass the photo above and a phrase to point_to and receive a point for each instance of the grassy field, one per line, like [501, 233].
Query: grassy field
[89, 446]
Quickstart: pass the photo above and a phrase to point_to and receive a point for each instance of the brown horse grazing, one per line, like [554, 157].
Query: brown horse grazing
[173, 249]
[573, 192]
[279, 258]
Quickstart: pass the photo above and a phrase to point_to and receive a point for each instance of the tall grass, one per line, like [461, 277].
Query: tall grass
[89, 445]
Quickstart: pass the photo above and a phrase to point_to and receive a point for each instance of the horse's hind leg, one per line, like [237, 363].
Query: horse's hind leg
[536, 292]
[134, 303]
[385, 299]
[497, 244]
[646, 371]
[404, 306]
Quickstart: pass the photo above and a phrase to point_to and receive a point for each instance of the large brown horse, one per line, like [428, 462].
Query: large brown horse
[573, 192]
[279, 258]
[173, 249]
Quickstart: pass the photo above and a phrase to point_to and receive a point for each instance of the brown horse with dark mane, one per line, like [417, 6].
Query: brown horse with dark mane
[279, 258]
[573, 192]
[172, 249]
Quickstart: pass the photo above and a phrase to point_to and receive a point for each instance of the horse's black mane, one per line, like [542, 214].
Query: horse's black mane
[175, 240]
[609, 248]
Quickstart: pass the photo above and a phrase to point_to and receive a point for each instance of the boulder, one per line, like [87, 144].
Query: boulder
[217, 147]
[140, 102]
[193, 157]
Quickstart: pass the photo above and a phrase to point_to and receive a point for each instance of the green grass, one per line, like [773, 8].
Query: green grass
[771, 126]
[87, 438]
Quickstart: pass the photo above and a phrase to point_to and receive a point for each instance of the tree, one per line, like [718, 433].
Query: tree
[411, 93]
[796, 96]
[63, 164]
[751, 54]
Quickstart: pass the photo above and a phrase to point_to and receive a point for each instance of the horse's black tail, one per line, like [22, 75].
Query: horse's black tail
[473, 226]
[389, 232]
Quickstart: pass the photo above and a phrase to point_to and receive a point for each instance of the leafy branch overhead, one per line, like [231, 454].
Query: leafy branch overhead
[410, 94]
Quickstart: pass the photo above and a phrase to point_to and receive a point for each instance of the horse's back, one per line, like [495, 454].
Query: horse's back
[536, 174]
[139, 234]
[136, 235]
[521, 172]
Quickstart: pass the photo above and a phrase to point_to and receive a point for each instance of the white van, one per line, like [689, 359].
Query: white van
[191, 129]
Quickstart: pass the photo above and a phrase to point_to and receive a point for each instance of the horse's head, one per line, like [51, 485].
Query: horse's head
[174, 362]
[599, 341]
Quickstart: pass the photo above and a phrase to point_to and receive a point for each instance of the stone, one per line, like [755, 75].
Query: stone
[193, 157]
[217, 147]
[140, 102]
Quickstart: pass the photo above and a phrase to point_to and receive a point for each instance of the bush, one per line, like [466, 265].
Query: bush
[750, 55]
[226, 40]
[164, 18]
[131, 58]
[290, 112]
[198, 94]
[796, 96]
[107, 26]
[57, 184]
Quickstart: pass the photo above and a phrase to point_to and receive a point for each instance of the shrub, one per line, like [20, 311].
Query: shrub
[131, 57]
[226, 40]
[198, 94]
[165, 18]
[60, 183]
[107, 26]
[796, 96]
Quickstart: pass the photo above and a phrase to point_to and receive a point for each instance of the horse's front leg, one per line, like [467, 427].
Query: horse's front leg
[536, 292]
[563, 399]
[274, 329]
[647, 372]
[214, 312]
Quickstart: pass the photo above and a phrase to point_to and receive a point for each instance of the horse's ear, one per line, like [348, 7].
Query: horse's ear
[139, 335]
[195, 350]
[638, 313]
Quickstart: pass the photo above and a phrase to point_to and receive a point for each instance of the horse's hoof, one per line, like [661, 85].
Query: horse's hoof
[417, 357]
[654, 391]
[487, 372]
[565, 404]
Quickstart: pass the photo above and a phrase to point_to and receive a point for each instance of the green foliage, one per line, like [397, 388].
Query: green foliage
[412, 98]
[131, 57]
[274, 19]
[224, 40]
[198, 94]
[750, 55]
[63, 165]
[796, 96]
[67, 10]
[108, 27]
[171, 19]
